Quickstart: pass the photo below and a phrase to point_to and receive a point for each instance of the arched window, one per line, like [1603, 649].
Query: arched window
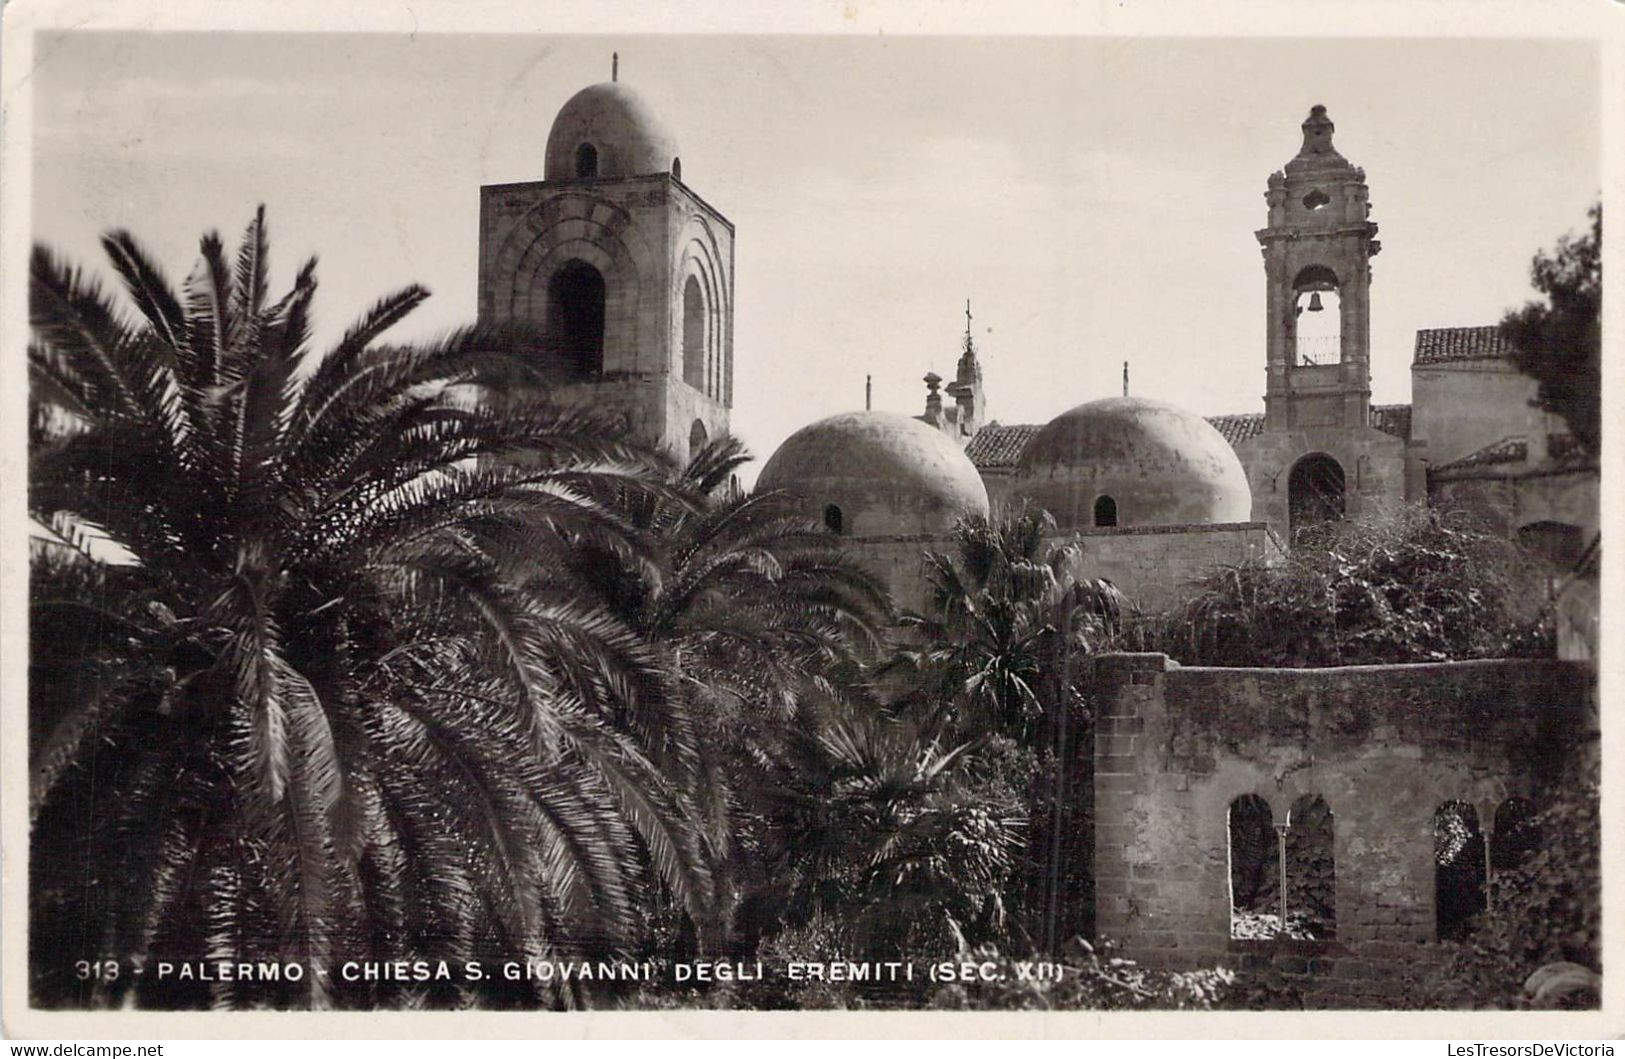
[1311, 870]
[1105, 511]
[575, 319]
[677, 168]
[586, 161]
[1458, 869]
[1314, 492]
[833, 520]
[1317, 317]
[697, 438]
[1516, 835]
[693, 334]
[1255, 871]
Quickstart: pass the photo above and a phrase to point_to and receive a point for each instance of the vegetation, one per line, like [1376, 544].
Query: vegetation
[1011, 623]
[355, 691]
[1559, 341]
[1412, 585]
[1542, 911]
[383, 654]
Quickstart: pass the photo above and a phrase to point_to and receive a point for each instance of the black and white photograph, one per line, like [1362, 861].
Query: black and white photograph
[564, 519]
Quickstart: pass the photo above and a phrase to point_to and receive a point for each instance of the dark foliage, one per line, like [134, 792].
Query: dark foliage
[1414, 585]
[337, 696]
[1559, 341]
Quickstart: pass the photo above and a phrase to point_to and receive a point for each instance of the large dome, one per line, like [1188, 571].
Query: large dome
[877, 474]
[607, 130]
[1127, 461]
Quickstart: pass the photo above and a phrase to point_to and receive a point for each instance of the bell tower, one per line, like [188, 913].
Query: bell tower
[624, 271]
[1317, 263]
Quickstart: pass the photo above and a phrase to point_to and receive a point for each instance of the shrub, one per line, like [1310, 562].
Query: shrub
[1411, 585]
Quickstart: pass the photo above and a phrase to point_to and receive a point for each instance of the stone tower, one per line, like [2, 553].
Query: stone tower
[626, 273]
[1317, 253]
[1320, 455]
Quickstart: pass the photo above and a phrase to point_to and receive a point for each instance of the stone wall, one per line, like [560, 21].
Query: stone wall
[646, 236]
[1509, 499]
[1373, 466]
[1154, 566]
[1384, 746]
[1458, 407]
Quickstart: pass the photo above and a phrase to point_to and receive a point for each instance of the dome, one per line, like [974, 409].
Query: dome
[607, 130]
[877, 474]
[1127, 461]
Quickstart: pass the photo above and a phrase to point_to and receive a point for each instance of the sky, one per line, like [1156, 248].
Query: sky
[1095, 198]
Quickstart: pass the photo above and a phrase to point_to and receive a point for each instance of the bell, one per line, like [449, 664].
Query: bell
[1314, 302]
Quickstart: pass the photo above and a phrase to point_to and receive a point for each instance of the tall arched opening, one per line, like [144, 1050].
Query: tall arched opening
[1458, 870]
[1311, 870]
[1255, 869]
[1317, 317]
[575, 319]
[693, 334]
[1315, 492]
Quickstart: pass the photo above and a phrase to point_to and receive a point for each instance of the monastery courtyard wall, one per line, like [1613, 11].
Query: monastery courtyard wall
[1383, 746]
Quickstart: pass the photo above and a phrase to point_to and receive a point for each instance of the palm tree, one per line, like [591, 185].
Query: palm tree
[1010, 614]
[1006, 613]
[900, 847]
[758, 616]
[337, 701]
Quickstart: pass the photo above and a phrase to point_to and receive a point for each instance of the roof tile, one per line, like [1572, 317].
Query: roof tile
[1440, 345]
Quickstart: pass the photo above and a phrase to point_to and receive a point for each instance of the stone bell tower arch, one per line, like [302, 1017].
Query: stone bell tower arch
[1317, 262]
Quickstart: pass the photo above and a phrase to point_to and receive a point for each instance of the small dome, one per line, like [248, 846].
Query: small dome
[607, 130]
[1127, 461]
[877, 474]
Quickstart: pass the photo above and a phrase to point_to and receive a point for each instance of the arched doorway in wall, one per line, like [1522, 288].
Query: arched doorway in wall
[1105, 511]
[1315, 492]
[697, 437]
[693, 334]
[1559, 543]
[575, 319]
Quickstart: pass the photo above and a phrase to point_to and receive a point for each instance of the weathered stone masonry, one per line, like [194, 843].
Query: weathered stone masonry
[1385, 746]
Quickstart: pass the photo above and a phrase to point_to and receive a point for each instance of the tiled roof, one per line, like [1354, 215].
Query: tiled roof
[999, 447]
[1392, 419]
[1513, 449]
[996, 446]
[1440, 345]
[1238, 428]
[1563, 453]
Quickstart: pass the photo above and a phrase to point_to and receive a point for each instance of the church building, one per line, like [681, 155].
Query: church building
[628, 273]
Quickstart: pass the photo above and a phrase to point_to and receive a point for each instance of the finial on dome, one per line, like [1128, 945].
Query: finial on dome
[615, 66]
[1125, 378]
